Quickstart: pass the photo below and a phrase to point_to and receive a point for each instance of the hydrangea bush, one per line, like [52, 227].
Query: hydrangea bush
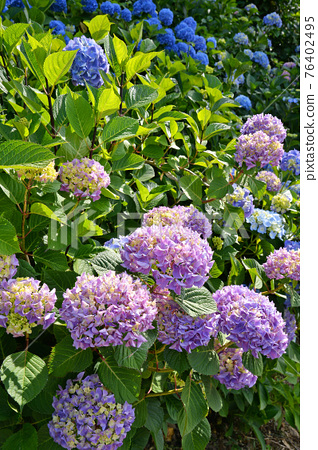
[149, 221]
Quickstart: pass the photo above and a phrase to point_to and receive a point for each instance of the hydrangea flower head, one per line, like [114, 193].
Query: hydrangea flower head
[184, 32]
[266, 123]
[8, 267]
[108, 310]
[125, 14]
[251, 320]
[166, 16]
[154, 21]
[291, 325]
[89, 60]
[190, 22]
[199, 43]
[291, 162]
[57, 27]
[267, 222]
[283, 263]
[291, 100]
[86, 416]
[179, 330]
[261, 58]
[250, 6]
[202, 57]
[217, 242]
[281, 202]
[244, 101]
[258, 149]
[213, 40]
[168, 38]
[89, 5]
[249, 53]
[176, 256]
[59, 6]
[273, 183]
[187, 216]
[241, 198]
[107, 8]
[292, 245]
[185, 48]
[273, 19]
[44, 175]
[24, 305]
[144, 6]
[84, 178]
[241, 38]
[232, 373]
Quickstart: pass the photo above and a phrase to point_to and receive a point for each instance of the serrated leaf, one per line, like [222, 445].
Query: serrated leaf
[69, 359]
[204, 360]
[42, 210]
[192, 187]
[108, 102]
[196, 301]
[254, 365]
[194, 407]
[120, 128]
[57, 65]
[24, 375]
[139, 63]
[80, 115]
[98, 27]
[45, 441]
[13, 189]
[176, 360]
[8, 238]
[212, 395]
[50, 258]
[258, 188]
[218, 188]
[213, 129]
[24, 439]
[130, 161]
[199, 437]
[20, 155]
[155, 415]
[105, 261]
[140, 95]
[123, 382]
[13, 34]
[34, 59]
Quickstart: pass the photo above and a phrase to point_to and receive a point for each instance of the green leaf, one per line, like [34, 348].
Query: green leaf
[98, 27]
[233, 216]
[51, 258]
[24, 375]
[105, 261]
[42, 403]
[13, 189]
[176, 360]
[8, 238]
[192, 187]
[140, 95]
[204, 360]
[5, 411]
[204, 117]
[108, 102]
[130, 356]
[130, 161]
[140, 414]
[213, 129]
[196, 301]
[198, 438]
[258, 188]
[123, 382]
[34, 59]
[218, 188]
[20, 155]
[57, 65]
[263, 396]
[155, 415]
[66, 358]
[59, 280]
[120, 128]
[80, 115]
[13, 34]
[45, 442]
[121, 50]
[259, 436]
[139, 63]
[24, 439]
[254, 365]
[194, 407]
[212, 395]
[42, 210]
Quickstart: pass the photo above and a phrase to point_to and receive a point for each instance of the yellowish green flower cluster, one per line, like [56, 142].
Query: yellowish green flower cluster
[43, 175]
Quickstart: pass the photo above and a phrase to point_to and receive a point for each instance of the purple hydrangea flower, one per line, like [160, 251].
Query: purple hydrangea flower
[125, 14]
[281, 202]
[168, 38]
[179, 330]
[232, 373]
[267, 221]
[251, 320]
[267, 123]
[87, 416]
[84, 178]
[258, 149]
[291, 325]
[241, 38]
[292, 245]
[89, 60]
[187, 216]
[273, 19]
[89, 5]
[242, 198]
[108, 310]
[59, 6]
[261, 58]
[176, 256]
[144, 6]
[291, 161]
[57, 27]
[283, 263]
[8, 267]
[273, 183]
[244, 101]
[24, 305]
[213, 40]
[166, 16]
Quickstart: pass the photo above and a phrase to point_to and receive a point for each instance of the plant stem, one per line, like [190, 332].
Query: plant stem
[53, 131]
[25, 214]
[93, 142]
[121, 87]
[158, 394]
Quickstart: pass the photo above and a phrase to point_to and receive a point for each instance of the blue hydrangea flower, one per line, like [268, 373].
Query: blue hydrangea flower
[292, 245]
[291, 161]
[184, 32]
[59, 6]
[273, 19]
[269, 43]
[116, 243]
[57, 27]
[107, 8]
[13, 4]
[261, 58]
[186, 48]
[89, 5]
[167, 39]
[297, 49]
[166, 16]
[213, 40]
[267, 221]
[117, 9]
[154, 21]
[125, 14]
[241, 38]
[190, 22]
[244, 101]
[237, 81]
[89, 60]
[202, 57]
[250, 6]
[241, 198]
[144, 6]
[248, 52]
[291, 99]
[199, 43]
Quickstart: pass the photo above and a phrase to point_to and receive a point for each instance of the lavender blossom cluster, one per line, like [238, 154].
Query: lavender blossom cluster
[291, 325]
[267, 222]
[108, 310]
[87, 416]
[24, 305]
[273, 183]
[232, 373]
[258, 149]
[187, 216]
[84, 178]
[8, 267]
[283, 263]
[176, 256]
[89, 60]
[251, 321]
[242, 198]
[268, 124]
[179, 330]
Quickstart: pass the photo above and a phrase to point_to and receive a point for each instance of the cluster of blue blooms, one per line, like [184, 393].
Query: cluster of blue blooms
[89, 5]
[241, 38]
[110, 8]
[291, 161]
[261, 58]
[291, 100]
[59, 6]
[267, 221]
[244, 101]
[273, 19]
